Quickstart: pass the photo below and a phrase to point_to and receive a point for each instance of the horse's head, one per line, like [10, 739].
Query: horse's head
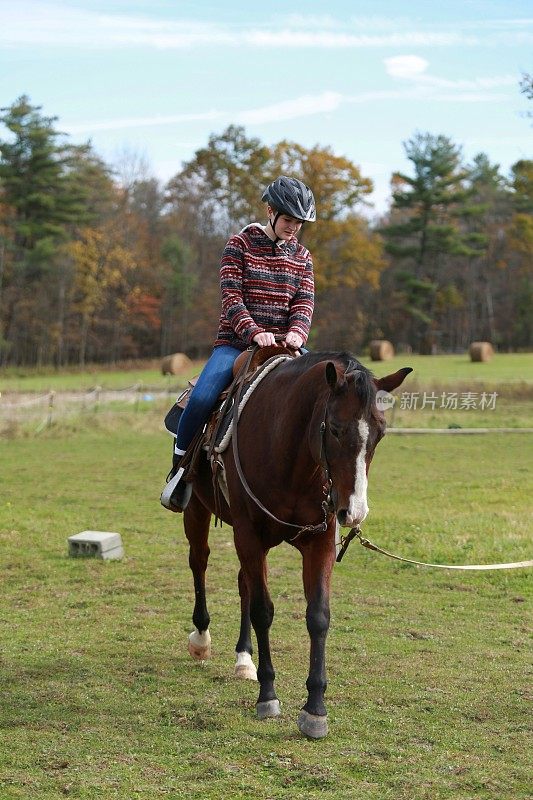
[353, 427]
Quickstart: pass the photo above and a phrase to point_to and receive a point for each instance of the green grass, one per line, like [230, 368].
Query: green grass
[39, 380]
[458, 369]
[513, 368]
[429, 672]
[508, 377]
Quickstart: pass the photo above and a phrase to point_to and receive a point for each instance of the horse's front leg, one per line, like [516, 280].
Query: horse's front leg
[196, 519]
[254, 572]
[318, 560]
[245, 668]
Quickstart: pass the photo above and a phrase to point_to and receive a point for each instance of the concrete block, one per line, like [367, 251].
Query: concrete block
[95, 544]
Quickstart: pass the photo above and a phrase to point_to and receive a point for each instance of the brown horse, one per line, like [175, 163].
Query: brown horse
[306, 438]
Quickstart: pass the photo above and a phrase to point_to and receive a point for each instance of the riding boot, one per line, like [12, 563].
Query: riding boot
[177, 491]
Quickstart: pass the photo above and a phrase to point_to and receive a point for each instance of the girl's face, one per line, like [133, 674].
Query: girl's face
[286, 227]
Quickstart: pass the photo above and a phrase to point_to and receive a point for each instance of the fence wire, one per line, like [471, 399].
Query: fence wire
[45, 410]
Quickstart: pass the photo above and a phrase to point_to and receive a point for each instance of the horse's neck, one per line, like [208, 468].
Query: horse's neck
[299, 414]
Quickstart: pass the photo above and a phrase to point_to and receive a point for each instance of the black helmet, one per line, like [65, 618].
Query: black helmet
[291, 196]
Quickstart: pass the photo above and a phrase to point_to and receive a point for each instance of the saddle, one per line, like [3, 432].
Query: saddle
[246, 370]
[249, 369]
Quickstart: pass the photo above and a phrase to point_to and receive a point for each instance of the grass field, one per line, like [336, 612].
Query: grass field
[493, 395]
[513, 368]
[429, 672]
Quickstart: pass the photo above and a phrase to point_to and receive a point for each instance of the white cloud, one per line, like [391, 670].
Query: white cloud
[405, 66]
[469, 97]
[29, 22]
[477, 83]
[333, 40]
[309, 21]
[413, 68]
[291, 109]
[375, 22]
[138, 122]
[303, 106]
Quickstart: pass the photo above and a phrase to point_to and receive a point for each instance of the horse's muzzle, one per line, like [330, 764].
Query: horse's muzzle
[354, 514]
[351, 519]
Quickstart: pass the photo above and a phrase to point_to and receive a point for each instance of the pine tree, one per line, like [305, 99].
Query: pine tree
[424, 229]
[32, 180]
[519, 257]
[48, 189]
[482, 222]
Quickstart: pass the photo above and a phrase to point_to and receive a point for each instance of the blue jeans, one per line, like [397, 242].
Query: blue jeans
[214, 378]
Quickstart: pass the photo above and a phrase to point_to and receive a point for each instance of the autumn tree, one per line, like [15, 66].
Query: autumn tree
[220, 191]
[213, 196]
[347, 254]
[100, 266]
[224, 180]
[103, 263]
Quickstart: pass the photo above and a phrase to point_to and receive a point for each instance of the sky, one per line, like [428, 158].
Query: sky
[157, 78]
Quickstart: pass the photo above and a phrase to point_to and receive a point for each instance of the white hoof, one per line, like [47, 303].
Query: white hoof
[200, 645]
[245, 668]
[311, 725]
[268, 708]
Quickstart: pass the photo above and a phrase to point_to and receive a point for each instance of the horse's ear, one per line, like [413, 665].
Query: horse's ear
[331, 375]
[391, 382]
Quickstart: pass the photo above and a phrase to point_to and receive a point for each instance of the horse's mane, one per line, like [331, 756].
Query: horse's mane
[364, 385]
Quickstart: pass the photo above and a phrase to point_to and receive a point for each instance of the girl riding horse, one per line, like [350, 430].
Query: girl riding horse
[267, 287]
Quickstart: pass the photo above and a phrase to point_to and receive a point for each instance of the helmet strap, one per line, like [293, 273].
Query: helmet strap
[273, 226]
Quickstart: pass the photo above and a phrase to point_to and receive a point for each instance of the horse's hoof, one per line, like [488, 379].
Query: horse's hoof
[245, 668]
[311, 725]
[268, 708]
[200, 645]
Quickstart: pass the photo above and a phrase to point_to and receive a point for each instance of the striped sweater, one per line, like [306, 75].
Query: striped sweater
[265, 287]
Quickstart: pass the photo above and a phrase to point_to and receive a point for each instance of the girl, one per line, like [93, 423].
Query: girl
[267, 287]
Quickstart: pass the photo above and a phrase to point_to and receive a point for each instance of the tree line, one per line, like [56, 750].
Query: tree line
[99, 264]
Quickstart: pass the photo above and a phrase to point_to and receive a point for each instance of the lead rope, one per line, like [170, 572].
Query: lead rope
[355, 533]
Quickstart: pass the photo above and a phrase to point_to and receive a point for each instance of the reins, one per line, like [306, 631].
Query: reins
[322, 526]
[355, 533]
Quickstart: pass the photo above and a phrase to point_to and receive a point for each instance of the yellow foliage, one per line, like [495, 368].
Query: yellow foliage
[100, 265]
[345, 252]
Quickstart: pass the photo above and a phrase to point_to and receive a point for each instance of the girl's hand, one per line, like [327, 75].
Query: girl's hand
[264, 339]
[294, 340]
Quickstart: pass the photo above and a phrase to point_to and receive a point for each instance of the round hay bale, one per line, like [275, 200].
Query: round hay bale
[381, 350]
[481, 351]
[175, 364]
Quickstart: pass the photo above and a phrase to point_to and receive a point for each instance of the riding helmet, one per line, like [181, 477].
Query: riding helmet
[291, 196]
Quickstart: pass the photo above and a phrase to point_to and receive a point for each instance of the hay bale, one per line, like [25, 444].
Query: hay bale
[381, 350]
[175, 364]
[481, 351]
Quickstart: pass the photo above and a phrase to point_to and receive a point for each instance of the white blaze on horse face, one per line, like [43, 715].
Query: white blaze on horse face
[357, 503]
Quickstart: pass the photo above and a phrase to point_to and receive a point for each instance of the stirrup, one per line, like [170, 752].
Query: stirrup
[177, 492]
